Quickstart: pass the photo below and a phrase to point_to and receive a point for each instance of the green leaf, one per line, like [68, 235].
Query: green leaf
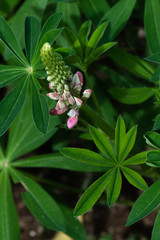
[40, 203]
[39, 107]
[117, 17]
[7, 6]
[84, 32]
[49, 37]
[9, 74]
[9, 38]
[120, 135]
[9, 226]
[131, 95]
[153, 159]
[94, 10]
[32, 30]
[57, 160]
[87, 156]
[134, 178]
[145, 204]
[98, 52]
[128, 143]
[50, 24]
[92, 194]
[132, 63]
[114, 186]
[152, 22]
[65, 52]
[153, 139]
[156, 228]
[102, 143]
[95, 38]
[73, 226]
[139, 158]
[11, 105]
[154, 57]
[24, 135]
[156, 75]
[71, 15]
[28, 8]
[97, 120]
[73, 41]
[156, 125]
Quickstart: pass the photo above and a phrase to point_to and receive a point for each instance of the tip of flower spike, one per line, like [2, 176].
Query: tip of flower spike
[71, 122]
[46, 46]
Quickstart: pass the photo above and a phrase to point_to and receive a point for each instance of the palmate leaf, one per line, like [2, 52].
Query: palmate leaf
[73, 41]
[39, 107]
[9, 39]
[11, 104]
[8, 74]
[134, 178]
[57, 160]
[50, 24]
[40, 203]
[137, 159]
[154, 57]
[71, 15]
[97, 120]
[114, 186]
[117, 17]
[120, 135]
[92, 194]
[87, 156]
[9, 226]
[145, 204]
[128, 143]
[84, 32]
[156, 228]
[99, 51]
[153, 158]
[73, 227]
[95, 38]
[32, 31]
[131, 95]
[102, 143]
[153, 139]
[28, 8]
[152, 21]
[24, 135]
[132, 63]
[93, 10]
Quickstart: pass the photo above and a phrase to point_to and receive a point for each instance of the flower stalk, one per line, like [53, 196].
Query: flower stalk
[66, 88]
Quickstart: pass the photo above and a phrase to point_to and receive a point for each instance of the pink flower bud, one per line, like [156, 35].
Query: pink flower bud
[54, 111]
[51, 85]
[73, 113]
[61, 105]
[77, 81]
[65, 95]
[71, 122]
[87, 93]
[80, 75]
[71, 100]
[53, 95]
[78, 102]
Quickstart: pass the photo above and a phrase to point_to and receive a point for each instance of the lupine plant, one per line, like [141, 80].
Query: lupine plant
[79, 84]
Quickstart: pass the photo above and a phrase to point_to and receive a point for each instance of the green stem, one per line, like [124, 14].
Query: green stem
[93, 94]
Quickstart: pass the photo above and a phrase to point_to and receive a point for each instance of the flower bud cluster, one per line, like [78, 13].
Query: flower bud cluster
[65, 87]
[57, 71]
